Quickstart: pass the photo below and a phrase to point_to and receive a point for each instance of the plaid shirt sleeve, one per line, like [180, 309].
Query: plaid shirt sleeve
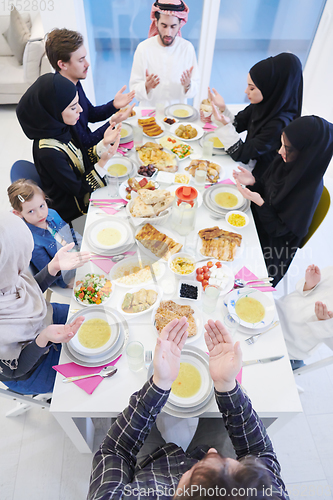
[114, 463]
[248, 434]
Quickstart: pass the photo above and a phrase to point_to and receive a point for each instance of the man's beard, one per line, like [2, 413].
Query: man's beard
[168, 43]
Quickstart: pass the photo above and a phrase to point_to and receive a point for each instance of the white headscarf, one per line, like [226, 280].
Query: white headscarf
[23, 309]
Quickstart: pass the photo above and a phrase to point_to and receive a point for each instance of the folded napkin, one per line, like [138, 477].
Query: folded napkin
[209, 126]
[246, 274]
[74, 370]
[108, 208]
[127, 145]
[146, 112]
[106, 264]
[226, 181]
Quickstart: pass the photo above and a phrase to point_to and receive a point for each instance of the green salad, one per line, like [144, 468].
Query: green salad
[93, 289]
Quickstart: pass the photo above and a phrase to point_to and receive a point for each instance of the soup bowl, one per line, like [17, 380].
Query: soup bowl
[261, 297]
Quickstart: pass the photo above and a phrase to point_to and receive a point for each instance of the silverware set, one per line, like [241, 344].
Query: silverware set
[251, 340]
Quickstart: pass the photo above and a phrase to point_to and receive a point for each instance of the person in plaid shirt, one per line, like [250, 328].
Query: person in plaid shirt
[169, 472]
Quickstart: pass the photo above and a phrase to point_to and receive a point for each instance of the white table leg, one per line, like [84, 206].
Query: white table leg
[79, 430]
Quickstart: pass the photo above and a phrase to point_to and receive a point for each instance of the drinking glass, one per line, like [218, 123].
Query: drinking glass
[160, 111]
[232, 323]
[207, 148]
[137, 136]
[200, 179]
[210, 298]
[135, 356]
[113, 186]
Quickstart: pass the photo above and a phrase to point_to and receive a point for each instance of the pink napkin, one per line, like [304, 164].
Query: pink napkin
[127, 145]
[226, 181]
[145, 112]
[209, 126]
[107, 264]
[246, 274]
[239, 376]
[74, 370]
[109, 209]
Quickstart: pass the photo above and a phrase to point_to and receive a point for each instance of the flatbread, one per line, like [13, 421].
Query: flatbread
[152, 197]
[140, 209]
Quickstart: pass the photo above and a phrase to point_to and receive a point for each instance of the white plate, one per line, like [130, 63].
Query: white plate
[228, 271]
[262, 297]
[94, 314]
[161, 229]
[239, 250]
[108, 223]
[184, 107]
[197, 318]
[123, 161]
[122, 188]
[77, 278]
[227, 189]
[129, 133]
[123, 265]
[209, 136]
[156, 288]
[173, 188]
[200, 131]
[174, 160]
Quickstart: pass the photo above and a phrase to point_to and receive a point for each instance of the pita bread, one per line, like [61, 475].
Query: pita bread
[152, 197]
[163, 205]
[140, 209]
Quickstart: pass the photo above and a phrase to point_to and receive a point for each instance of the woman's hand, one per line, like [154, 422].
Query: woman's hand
[111, 133]
[109, 153]
[244, 176]
[167, 353]
[59, 334]
[217, 99]
[250, 195]
[203, 118]
[322, 312]
[225, 358]
[121, 100]
[65, 260]
[120, 116]
[219, 116]
[312, 277]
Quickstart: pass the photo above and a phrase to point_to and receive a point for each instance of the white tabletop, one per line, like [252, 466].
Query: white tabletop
[271, 386]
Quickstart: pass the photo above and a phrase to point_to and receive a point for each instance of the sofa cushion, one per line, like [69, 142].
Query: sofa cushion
[5, 50]
[17, 34]
[32, 56]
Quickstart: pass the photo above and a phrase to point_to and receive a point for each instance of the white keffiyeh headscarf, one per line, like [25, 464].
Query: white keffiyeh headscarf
[23, 309]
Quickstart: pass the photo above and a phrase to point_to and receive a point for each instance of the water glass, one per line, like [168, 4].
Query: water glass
[160, 111]
[207, 149]
[135, 356]
[200, 179]
[210, 298]
[137, 136]
[231, 322]
[113, 186]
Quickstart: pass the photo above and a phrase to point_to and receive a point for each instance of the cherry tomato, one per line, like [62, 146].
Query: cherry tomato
[206, 276]
[199, 271]
[204, 284]
[218, 264]
[200, 277]
[205, 269]
[210, 264]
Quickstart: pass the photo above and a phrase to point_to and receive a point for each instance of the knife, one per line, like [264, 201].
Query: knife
[263, 360]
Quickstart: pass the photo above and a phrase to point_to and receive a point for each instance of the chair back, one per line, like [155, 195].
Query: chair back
[319, 215]
[24, 169]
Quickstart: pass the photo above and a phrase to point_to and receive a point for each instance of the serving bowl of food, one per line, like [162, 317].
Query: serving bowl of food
[153, 205]
[139, 300]
[237, 219]
[182, 264]
[187, 132]
[155, 155]
[92, 290]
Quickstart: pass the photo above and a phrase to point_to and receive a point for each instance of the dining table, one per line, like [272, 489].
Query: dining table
[270, 386]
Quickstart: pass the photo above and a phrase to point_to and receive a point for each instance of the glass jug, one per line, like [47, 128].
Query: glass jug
[184, 209]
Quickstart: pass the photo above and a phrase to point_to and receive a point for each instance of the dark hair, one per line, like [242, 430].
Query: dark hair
[23, 190]
[251, 480]
[158, 15]
[60, 45]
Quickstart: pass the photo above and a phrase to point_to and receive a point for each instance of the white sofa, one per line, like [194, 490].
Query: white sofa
[15, 78]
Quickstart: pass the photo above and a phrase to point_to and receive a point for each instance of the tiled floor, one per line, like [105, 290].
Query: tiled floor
[37, 460]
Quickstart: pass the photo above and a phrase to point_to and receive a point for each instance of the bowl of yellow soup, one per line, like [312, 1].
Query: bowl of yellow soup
[119, 166]
[97, 334]
[237, 219]
[227, 197]
[126, 133]
[109, 234]
[181, 111]
[253, 308]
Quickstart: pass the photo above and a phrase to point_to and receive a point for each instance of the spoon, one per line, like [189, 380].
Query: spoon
[107, 371]
[114, 258]
[241, 283]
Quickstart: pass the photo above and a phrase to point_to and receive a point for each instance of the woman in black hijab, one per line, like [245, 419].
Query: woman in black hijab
[275, 88]
[47, 113]
[285, 199]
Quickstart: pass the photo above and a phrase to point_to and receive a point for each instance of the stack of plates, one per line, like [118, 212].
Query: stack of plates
[124, 167]
[209, 195]
[183, 112]
[117, 344]
[210, 136]
[201, 401]
[111, 225]
[126, 133]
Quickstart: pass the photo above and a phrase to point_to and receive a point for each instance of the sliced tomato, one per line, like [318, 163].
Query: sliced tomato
[218, 264]
[210, 264]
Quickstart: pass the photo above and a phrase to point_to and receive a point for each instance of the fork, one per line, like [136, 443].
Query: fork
[148, 358]
[254, 338]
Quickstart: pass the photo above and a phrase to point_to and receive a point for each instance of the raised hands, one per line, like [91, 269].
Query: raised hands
[121, 100]
[110, 152]
[185, 79]
[243, 176]
[111, 134]
[59, 334]
[216, 98]
[219, 116]
[322, 312]
[167, 353]
[250, 195]
[312, 277]
[120, 116]
[65, 260]
[151, 81]
[225, 358]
